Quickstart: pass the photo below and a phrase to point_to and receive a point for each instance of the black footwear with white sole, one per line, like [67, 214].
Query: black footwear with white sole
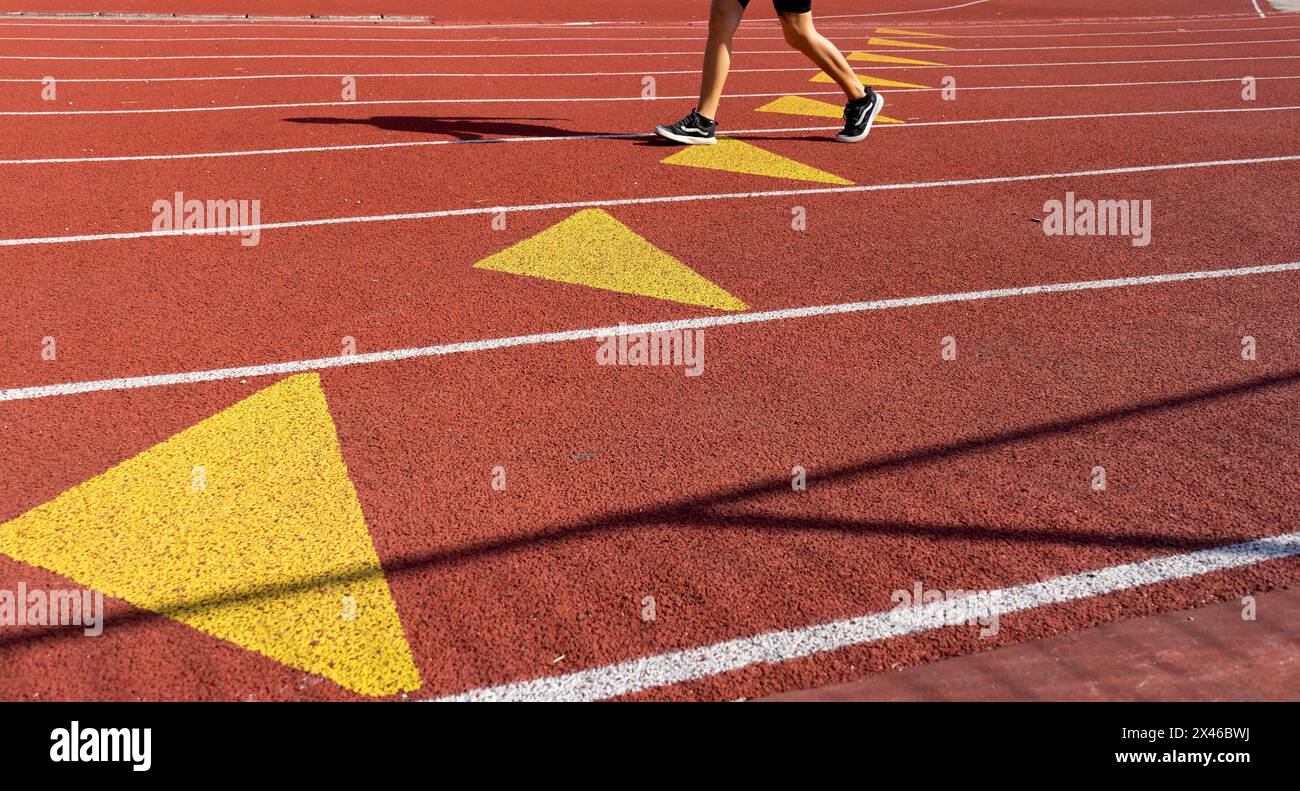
[859, 115]
[693, 130]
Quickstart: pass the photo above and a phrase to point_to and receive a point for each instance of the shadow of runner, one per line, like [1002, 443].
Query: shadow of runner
[459, 127]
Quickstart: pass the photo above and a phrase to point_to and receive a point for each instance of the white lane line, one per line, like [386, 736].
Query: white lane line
[394, 355]
[495, 40]
[599, 203]
[589, 99]
[900, 13]
[8, 20]
[638, 73]
[575, 26]
[585, 99]
[126, 16]
[661, 670]
[428, 215]
[665, 53]
[698, 38]
[618, 136]
[533, 100]
[1258, 10]
[1180, 31]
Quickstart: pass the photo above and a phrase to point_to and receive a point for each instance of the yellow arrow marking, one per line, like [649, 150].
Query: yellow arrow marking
[244, 526]
[891, 31]
[740, 157]
[801, 105]
[593, 249]
[878, 58]
[865, 79]
[890, 42]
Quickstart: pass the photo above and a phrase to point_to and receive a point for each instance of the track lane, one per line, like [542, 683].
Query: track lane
[905, 487]
[538, 58]
[504, 48]
[213, 94]
[751, 29]
[166, 88]
[194, 70]
[403, 180]
[240, 306]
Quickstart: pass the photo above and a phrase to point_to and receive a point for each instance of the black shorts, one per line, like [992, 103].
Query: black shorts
[787, 6]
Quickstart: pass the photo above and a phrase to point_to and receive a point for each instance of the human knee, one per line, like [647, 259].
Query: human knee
[798, 34]
[724, 13]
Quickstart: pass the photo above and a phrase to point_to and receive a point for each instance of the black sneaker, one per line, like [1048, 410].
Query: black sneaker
[693, 130]
[859, 114]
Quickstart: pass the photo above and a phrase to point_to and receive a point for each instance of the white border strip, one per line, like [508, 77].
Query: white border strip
[393, 355]
[600, 203]
[663, 670]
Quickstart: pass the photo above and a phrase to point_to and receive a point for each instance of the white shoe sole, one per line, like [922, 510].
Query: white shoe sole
[665, 132]
[871, 119]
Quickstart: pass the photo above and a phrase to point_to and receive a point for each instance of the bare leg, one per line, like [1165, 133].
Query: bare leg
[724, 18]
[800, 34]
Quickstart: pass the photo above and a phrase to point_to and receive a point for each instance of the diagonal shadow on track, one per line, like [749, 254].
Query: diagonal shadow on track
[694, 512]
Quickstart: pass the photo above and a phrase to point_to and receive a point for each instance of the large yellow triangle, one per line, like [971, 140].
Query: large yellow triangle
[890, 42]
[738, 156]
[893, 31]
[802, 105]
[244, 526]
[874, 82]
[591, 248]
[876, 57]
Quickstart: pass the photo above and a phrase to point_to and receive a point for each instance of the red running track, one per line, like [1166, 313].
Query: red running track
[632, 482]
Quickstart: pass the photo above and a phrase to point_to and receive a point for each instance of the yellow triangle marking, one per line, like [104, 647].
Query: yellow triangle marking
[875, 82]
[890, 42]
[741, 157]
[893, 31]
[593, 249]
[801, 105]
[244, 526]
[875, 57]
